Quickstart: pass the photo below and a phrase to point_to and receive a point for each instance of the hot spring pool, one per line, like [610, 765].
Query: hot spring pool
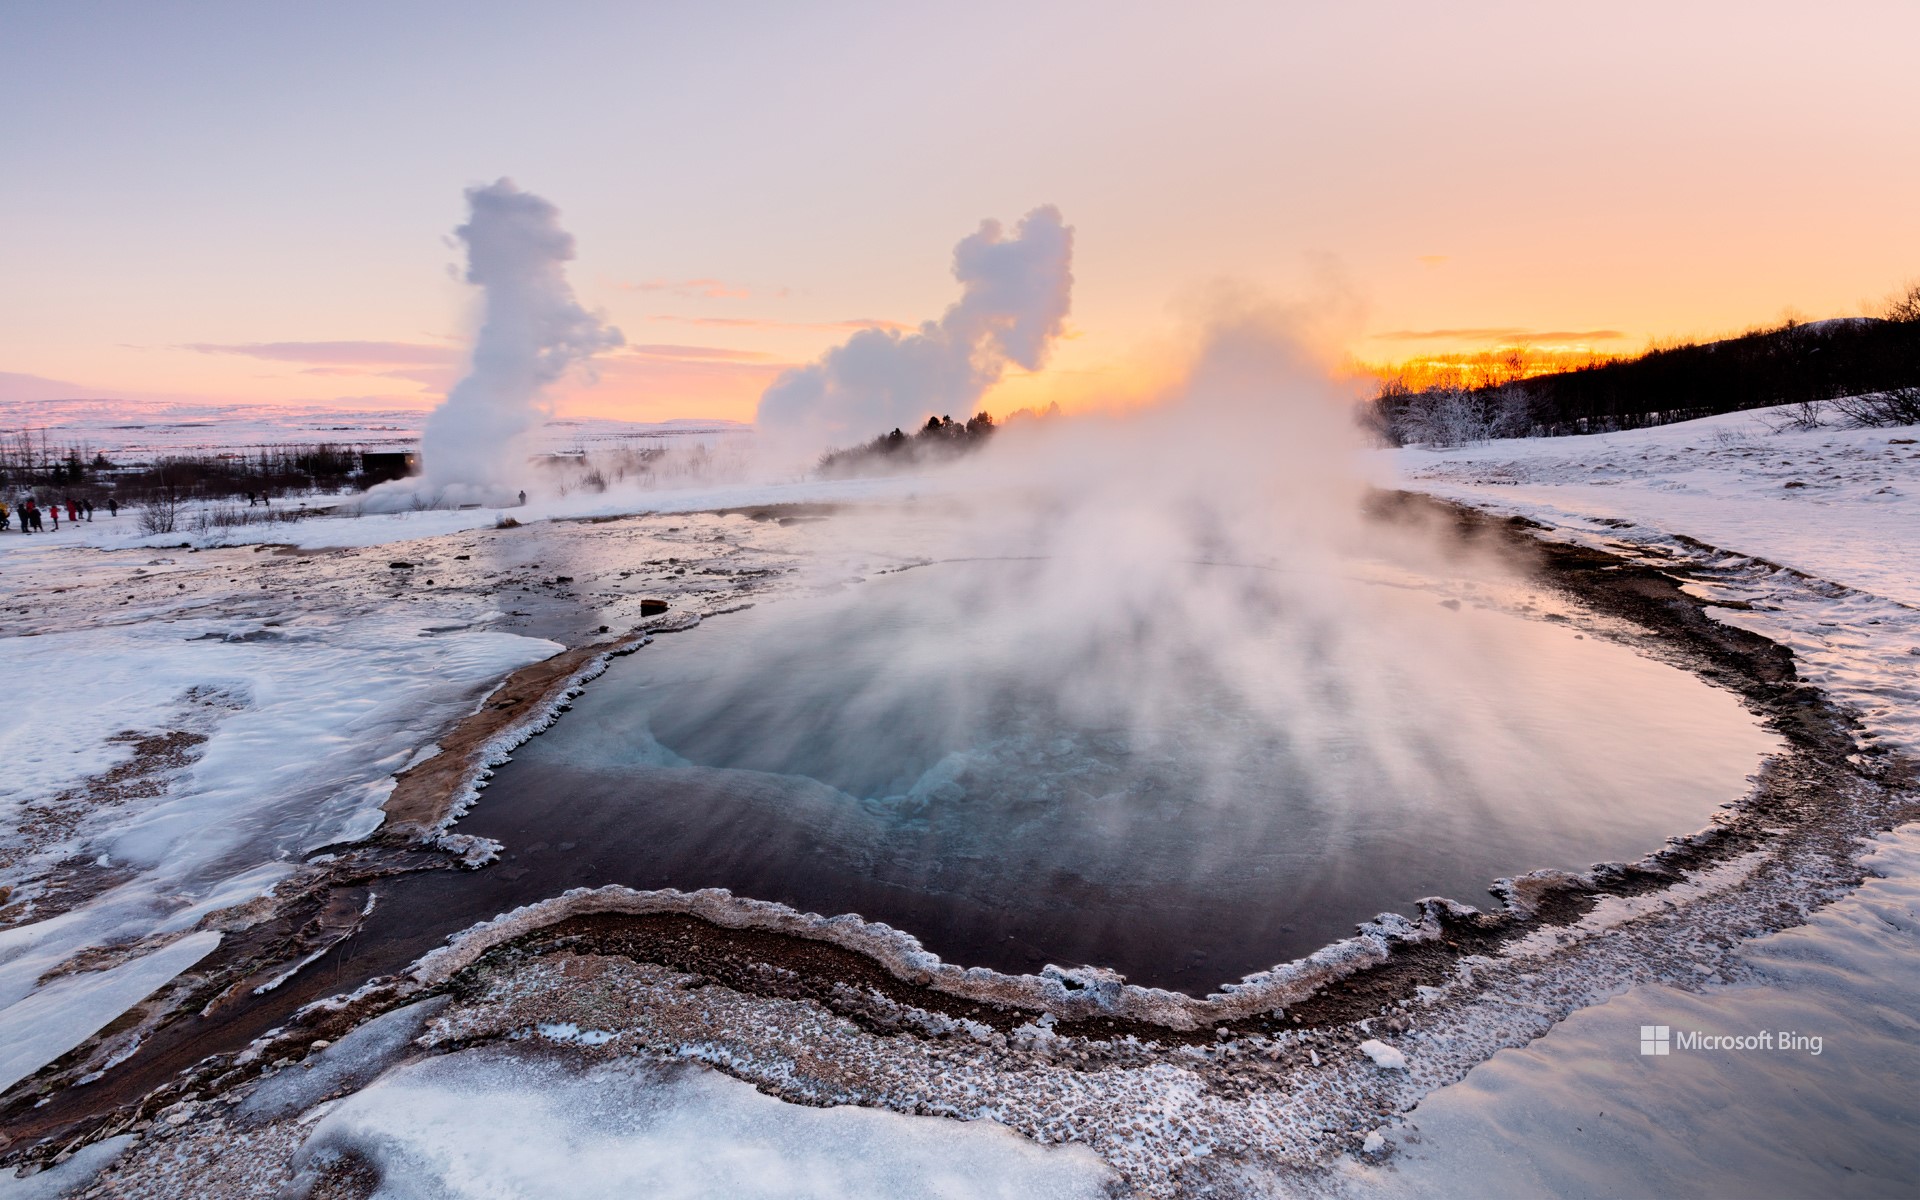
[1181, 802]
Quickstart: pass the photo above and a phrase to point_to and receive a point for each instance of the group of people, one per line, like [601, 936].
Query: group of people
[34, 519]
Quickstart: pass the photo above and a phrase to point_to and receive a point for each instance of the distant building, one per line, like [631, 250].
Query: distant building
[379, 467]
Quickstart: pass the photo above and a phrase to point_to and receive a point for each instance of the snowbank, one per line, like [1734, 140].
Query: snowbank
[476, 1124]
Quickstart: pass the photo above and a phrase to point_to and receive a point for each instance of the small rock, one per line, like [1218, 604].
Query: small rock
[650, 608]
[1374, 1143]
[400, 565]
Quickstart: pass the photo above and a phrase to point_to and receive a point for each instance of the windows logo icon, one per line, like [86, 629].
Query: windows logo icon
[1654, 1039]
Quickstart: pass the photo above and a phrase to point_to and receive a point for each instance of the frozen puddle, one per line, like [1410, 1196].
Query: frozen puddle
[481, 1123]
[881, 751]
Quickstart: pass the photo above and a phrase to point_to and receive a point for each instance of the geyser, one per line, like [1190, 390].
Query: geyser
[1014, 295]
[532, 332]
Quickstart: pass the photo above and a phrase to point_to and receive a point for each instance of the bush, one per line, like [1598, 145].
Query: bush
[1876, 410]
[1449, 416]
[162, 512]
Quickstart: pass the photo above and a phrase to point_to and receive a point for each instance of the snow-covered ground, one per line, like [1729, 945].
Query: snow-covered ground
[198, 711]
[177, 753]
[136, 430]
[1813, 536]
[292, 686]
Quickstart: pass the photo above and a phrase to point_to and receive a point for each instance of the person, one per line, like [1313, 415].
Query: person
[73, 510]
[113, 507]
[86, 507]
[250, 500]
[54, 508]
[33, 510]
[3, 515]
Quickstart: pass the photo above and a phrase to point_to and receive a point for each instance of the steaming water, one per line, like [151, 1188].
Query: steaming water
[835, 754]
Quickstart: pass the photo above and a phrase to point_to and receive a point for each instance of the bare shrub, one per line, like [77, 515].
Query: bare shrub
[162, 511]
[1877, 410]
[1795, 418]
[1442, 417]
[232, 516]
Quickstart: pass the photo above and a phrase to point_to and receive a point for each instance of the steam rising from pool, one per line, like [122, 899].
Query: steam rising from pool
[1155, 693]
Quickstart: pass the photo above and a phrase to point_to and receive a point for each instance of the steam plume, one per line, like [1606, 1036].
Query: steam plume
[532, 332]
[1013, 301]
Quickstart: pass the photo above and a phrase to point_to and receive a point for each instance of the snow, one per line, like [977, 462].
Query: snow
[480, 1124]
[351, 529]
[135, 430]
[304, 718]
[352, 1062]
[1832, 570]
[69, 1176]
[1384, 1056]
[62, 1014]
[1581, 1113]
[330, 703]
[1722, 480]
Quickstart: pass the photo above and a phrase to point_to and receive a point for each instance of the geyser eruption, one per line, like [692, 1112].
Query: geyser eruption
[532, 331]
[1013, 302]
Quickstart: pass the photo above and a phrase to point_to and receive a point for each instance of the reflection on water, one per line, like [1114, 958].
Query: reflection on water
[1014, 801]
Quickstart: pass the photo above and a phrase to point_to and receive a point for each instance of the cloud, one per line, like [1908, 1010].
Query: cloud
[764, 323]
[16, 387]
[1500, 334]
[696, 289]
[717, 353]
[338, 353]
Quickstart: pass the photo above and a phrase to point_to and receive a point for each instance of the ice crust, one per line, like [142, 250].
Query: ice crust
[1065, 992]
[59, 1016]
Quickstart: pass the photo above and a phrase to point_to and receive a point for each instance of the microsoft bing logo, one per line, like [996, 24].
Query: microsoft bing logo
[1654, 1039]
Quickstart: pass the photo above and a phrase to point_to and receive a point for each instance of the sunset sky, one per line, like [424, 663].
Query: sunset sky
[253, 202]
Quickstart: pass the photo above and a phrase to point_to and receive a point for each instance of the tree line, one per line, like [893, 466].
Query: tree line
[940, 438]
[30, 461]
[1867, 368]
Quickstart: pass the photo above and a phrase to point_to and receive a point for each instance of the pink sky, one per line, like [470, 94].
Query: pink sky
[251, 205]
